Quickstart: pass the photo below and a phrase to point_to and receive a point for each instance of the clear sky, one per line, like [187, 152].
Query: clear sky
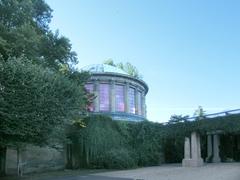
[188, 51]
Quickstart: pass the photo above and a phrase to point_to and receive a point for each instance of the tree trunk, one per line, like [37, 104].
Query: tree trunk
[69, 156]
[3, 151]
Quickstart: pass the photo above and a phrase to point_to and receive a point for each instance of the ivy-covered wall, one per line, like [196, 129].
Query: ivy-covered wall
[104, 143]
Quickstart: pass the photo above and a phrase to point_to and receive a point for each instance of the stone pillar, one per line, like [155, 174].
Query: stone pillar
[195, 157]
[194, 145]
[187, 149]
[139, 103]
[216, 143]
[187, 152]
[112, 96]
[126, 103]
[196, 150]
[136, 100]
[143, 105]
[209, 147]
[96, 93]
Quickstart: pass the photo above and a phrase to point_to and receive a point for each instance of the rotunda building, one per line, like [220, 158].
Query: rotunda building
[117, 94]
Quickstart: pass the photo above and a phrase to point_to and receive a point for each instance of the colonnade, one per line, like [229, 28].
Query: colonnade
[213, 143]
[192, 149]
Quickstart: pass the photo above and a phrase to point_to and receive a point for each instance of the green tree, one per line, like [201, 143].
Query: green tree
[24, 31]
[177, 118]
[36, 104]
[34, 100]
[109, 62]
[199, 113]
[127, 67]
[39, 89]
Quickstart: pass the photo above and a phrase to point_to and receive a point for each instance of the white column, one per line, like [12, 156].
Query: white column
[196, 150]
[195, 159]
[216, 143]
[194, 145]
[138, 106]
[143, 104]
[187, 153]
[136, 100]
[187, 150]
[126, 102]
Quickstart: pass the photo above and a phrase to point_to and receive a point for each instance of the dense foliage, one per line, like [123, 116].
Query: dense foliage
[35, 101]
[40, 92]
[39, 88]
[24, 31]
[105, 143]
[225, 124]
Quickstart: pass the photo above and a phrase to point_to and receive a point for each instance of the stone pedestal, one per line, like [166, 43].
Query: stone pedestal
[192, 159]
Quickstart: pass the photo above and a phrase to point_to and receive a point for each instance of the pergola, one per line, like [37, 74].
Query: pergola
[192, 149]
[192, 144]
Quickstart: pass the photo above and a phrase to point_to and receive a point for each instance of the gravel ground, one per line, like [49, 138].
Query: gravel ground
[221, 171]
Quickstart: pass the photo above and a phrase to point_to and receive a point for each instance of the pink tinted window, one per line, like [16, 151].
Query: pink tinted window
[104, 97]
[139, 103]
[89, 88]
[119, 98]
[131, 96]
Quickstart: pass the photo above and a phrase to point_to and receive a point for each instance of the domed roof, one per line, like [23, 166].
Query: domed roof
[102, 68]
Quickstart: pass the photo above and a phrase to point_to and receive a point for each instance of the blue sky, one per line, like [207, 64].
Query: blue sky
[187, 51]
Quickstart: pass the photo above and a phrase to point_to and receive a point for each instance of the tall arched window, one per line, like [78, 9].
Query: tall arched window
[89, 88]
[104, 97]
[131, 100]
[119, 98]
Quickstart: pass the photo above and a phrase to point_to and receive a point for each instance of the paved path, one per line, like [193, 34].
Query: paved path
[221, 171]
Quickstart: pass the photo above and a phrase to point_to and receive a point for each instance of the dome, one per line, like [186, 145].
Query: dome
[117, 94]
[103, 68]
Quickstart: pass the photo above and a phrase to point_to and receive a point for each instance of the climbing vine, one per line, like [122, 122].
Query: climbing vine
[104, 143]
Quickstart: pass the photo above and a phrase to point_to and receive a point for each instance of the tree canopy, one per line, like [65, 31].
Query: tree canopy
[36, 100]
[24, 30]
[39, 87]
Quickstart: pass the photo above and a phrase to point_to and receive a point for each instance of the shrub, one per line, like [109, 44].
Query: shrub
[119, 159]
